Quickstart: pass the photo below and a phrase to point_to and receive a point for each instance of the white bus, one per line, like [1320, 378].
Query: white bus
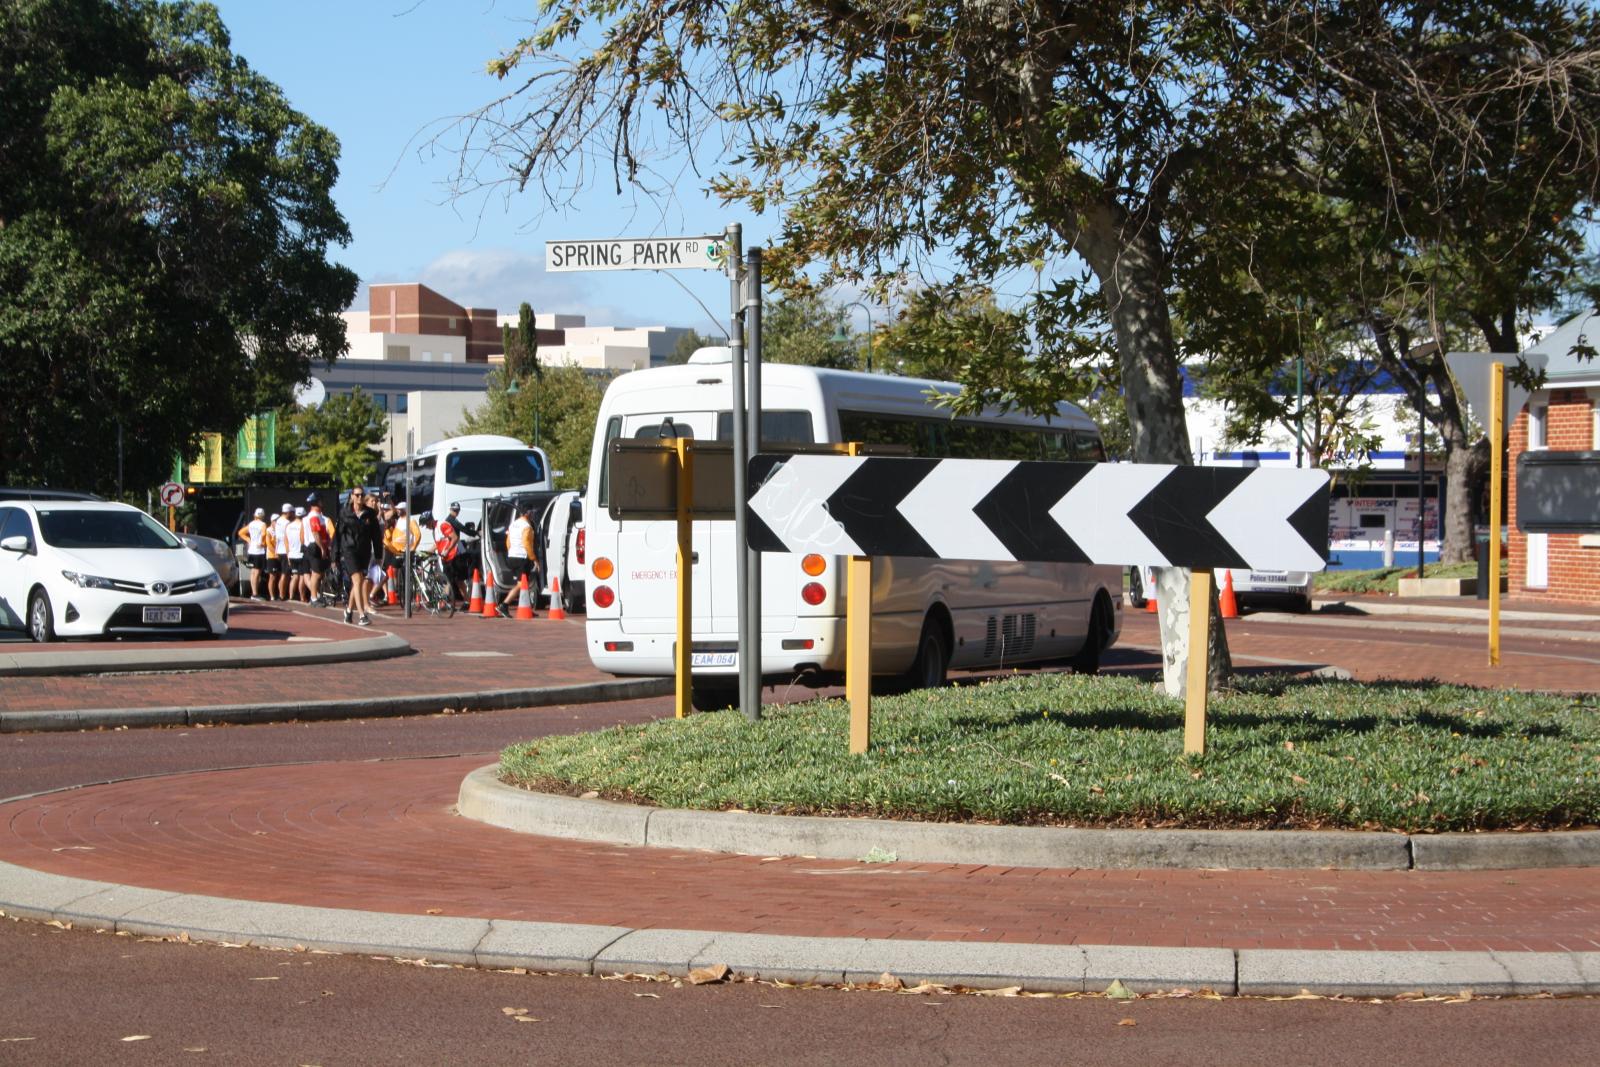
[928, 616]
[466, 470]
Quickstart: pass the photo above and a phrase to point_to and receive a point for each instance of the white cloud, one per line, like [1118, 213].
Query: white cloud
[501, 278]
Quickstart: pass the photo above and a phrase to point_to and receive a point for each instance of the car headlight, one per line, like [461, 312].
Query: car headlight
[88, 581]
[210, 581]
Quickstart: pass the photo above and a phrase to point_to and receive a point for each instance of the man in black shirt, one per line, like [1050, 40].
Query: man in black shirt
[357, 534]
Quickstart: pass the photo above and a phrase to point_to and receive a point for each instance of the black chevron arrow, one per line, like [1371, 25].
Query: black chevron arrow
[1172, 516]
[866, 504]
[1018, 511]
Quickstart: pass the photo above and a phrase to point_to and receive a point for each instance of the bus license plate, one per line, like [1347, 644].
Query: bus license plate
[163, 614]
[712, 659]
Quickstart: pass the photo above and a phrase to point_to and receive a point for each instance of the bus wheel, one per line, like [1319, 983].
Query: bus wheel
[933, 658]
[1087, 658]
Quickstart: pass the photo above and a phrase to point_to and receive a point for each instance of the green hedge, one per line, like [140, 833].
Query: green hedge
[1072, 750]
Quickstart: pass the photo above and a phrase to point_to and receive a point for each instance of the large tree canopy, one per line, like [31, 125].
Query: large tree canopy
[165, 219]
[1007, 134]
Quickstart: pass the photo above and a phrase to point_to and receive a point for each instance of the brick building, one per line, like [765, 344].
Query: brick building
[1564, 415]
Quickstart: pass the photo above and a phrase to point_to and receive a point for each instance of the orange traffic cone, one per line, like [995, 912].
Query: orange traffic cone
[524, 605]
[394, 595]
[556, 612]
[1150, 606]
[1227, 601]
[491, 604]
[476, 606]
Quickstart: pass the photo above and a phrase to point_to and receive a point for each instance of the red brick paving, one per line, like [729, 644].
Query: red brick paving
[538, 652]
[248, 625]
[543, 652]
[382, 837]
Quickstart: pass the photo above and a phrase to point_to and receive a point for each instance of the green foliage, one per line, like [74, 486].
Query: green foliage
[555, 411]
[165, 219]
[1387, 579]
[521, 345]
[1068, 749]
[801, 328]
[686, 347]
[337, 437]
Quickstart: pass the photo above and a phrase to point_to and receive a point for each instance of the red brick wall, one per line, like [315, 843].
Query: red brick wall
[413, 308]
[1574, 572]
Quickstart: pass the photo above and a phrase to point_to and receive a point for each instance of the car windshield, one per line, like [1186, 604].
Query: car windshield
[494, 470]
[103, 529]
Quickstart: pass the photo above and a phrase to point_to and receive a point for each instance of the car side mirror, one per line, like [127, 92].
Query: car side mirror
[20, 543]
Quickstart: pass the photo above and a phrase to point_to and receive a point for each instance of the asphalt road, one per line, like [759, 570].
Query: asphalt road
[74, 997]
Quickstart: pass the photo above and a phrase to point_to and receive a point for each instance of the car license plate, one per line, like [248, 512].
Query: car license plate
[163, 614]
[1265, 578]
[712, 659]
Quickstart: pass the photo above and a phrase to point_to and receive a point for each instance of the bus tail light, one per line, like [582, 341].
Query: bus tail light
[603, 569]
[581, 545]
[814, 564]
[602, 596]
[813, 593]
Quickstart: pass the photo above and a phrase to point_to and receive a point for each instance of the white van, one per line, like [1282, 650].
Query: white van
[928, 615]
[561, 530]
[466, 470]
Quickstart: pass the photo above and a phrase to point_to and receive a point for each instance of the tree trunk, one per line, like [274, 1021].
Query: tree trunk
[1465, 471]
[1128, 261]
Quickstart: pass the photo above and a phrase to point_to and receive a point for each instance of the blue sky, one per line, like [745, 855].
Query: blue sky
[383, 75]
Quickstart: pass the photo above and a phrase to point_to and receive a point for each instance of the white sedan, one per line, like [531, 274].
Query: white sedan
[98, 569]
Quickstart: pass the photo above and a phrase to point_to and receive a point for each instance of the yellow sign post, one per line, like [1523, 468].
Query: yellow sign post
[858, 645]
[685, 643]
[1497, 404]
[1194, 696]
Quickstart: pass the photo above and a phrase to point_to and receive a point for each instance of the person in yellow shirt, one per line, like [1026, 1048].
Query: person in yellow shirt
[397, 535]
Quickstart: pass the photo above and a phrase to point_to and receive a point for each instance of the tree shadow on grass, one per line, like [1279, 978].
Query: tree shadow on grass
[1305, 727]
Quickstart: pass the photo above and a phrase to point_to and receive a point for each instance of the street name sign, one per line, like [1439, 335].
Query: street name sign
[636, 253]
[1124, 514]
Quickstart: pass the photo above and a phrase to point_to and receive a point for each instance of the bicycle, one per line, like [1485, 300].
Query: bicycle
[433, 586]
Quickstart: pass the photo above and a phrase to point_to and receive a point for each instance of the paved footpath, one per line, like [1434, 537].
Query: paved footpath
[384, 837]
[381, 840]
[463, 655]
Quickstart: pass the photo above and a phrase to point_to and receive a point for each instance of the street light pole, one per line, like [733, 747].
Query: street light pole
[865, 310]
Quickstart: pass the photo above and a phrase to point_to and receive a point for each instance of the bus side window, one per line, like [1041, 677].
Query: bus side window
[1087, 448]
[869, 429]
[613, 431]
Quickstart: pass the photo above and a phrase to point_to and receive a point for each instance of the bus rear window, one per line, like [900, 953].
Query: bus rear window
[494, 470]
[777, 427]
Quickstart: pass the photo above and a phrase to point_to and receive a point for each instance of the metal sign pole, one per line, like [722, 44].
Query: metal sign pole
[741, 458]
[750, 619]
[405, 527]
[1497, 416]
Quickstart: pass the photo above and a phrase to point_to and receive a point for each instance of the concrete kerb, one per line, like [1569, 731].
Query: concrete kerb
[571, 947]
[485, 798]
[362, 708]
[201, 657]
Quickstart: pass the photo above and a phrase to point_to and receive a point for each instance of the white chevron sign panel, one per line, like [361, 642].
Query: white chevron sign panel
[1122, 514]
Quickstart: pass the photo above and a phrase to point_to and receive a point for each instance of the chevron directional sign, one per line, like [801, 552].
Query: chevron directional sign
[1105, 513]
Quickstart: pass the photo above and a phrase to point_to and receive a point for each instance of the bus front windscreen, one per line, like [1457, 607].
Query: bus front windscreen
[502, 469]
